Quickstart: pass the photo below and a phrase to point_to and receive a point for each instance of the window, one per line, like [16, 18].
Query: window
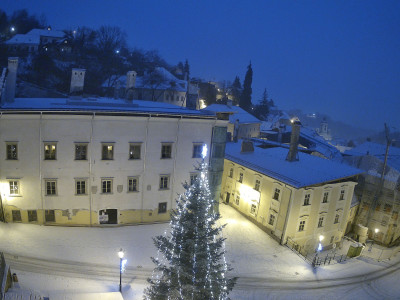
[218, 150]
[336, 219]
[325, 198]
[80, 187]
[162, 207]
[276, 194]
[193, 178]
[241, 178]
[301, 226]
[107, 152]
[133, 183]
[166, 151]
[14, 187]
[32, 216]
[231, 173]
[341, 195]
[106, 186]
[271, 220]
[164, 182]
[257, 185]
[12, 151]
[197, 149]
[80, 151]
[49, 215]
[307, 199]
[134, 151]
[50, 151]
[237, 200]
[51, 187]
[320, 221]
[253, 209]
[16, 216]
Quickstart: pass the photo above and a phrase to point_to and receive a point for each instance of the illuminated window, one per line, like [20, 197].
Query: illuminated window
[307, 199]
[133, 183]
[301, 226]
[237, 200]
[193, 178]
[325, 198]
[197, 149]
[166, 151]
[277, 192]
[336, 219]
[231, 173]
[271, 220]
[240, 177]
[162, 207]
[320, 221]
[51, 187]
[50, 151]
[80, 187]
[134, 151]
[253, 209]
[14, 187]
[32, 216]
[16, 216]
[107, 152]
[80, 151]
[106, 186]
[164, 182]
[341, 195]
[257, 185]
[12, 151]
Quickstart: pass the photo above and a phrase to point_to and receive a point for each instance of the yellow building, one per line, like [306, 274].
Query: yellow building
[298, 197]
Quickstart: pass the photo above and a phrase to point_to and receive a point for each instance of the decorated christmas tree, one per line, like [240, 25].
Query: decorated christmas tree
[192, 263]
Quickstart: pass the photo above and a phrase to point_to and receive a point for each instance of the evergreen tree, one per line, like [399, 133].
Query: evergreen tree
[261, 110]
[245, 97]
[236, 90]
[194, 264]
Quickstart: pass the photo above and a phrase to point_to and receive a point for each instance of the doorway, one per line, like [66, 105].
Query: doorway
[108, 216]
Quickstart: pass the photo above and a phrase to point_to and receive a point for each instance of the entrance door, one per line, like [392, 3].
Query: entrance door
[228, 195]
[108, 216]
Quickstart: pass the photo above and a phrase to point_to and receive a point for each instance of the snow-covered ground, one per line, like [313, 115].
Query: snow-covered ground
[82, 263]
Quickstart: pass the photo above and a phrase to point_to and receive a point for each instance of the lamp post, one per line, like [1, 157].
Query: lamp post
[121, 256]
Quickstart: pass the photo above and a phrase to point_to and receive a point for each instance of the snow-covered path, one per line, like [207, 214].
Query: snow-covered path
[62, 261]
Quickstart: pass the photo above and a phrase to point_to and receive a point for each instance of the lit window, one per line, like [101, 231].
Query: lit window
[197, 149]
[193, 178]
[164, 182]
[107, 152]
[341, 195]
[307, 199]
[106, 186]
[336, 219]
[166, 151]
[133, 184]
[50, 151]
[320, 221]
[14, 187]
[257, 185]
[51, 187]
[134, 151]
[12, 151]
[325, 198]
[80, 151]
[271, 220]
[162, 207]
[80, 187]
[241, 178]
[301, 226]
[277, 192]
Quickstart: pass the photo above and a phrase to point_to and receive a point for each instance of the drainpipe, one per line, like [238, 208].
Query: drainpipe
[40, 167]
[144, 168]
[90, 171]
[175, 154]
[283, 237]
[3, 218]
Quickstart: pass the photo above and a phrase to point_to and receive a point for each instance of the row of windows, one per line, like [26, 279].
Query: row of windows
[320, 222]
[107, 151]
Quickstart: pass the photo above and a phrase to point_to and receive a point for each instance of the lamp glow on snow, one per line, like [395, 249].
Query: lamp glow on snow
[122, 264]
[321, 237]
[376, 230]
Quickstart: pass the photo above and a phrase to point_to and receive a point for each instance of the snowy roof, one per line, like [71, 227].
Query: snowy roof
[235, 111]
[45, 32]
[24, 39]
[101, 105]
[309, 170]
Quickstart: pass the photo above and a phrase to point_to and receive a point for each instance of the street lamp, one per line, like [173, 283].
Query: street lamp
[12, 29]
[321, 237]
[122, 263]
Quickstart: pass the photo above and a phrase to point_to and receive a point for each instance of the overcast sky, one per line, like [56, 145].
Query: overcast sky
[341, 58]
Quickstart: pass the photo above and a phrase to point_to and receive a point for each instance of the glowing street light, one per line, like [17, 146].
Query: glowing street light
[122, 263]
[12, 29]
[321, 237]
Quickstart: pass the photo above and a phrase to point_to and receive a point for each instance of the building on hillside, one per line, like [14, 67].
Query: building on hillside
[93, 161]
[38, 39]
[241, 123]
[293, 196]
[379, 195]
[324, 131]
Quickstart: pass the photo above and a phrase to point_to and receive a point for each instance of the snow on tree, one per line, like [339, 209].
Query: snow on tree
[193, 262]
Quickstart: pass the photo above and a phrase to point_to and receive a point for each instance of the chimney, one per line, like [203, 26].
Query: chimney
[247, 146]
[11, 79]
[130, 80]
[77, 81]
[294, 140]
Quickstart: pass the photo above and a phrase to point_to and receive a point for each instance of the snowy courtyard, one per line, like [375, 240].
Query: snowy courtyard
[82, 263]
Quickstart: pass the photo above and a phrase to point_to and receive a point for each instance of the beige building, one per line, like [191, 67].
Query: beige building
[298, 197]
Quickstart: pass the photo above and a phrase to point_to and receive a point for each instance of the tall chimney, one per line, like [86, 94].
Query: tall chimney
[130, 80]
[77, 81]
[11, 79]
[294, 141]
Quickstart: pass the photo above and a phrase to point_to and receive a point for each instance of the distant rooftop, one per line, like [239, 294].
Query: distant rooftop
[309, 170]
[33, 36]
[100, 105]
[236, 113]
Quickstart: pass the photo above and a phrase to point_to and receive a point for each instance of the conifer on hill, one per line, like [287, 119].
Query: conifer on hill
[193, 264]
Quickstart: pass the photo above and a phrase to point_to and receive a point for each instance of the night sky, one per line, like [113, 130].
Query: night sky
[341, 58]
